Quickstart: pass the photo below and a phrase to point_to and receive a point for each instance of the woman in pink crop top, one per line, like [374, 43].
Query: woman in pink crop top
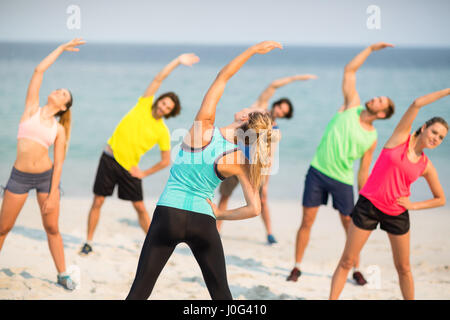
[33, 168]
[384, 199]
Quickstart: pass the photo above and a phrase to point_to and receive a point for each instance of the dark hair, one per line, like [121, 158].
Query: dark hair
[176, 109]
[431, 122]
[389, 111]
[289, 103]
[70, 102]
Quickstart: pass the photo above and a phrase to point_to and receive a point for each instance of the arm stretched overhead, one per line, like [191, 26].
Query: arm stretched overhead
[187, 59]
[351, 97]
[263, 100]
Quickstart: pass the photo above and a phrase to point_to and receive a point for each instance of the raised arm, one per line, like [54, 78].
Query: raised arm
[351, 97]
[403, 128]
[263, 100]
[32, 99]
[187, 59]
[207, 112]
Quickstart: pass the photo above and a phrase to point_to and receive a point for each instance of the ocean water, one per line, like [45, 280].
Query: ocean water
[106, 81]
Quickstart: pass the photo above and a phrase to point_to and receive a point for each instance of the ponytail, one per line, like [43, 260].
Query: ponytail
[65, 120]
[261, 147]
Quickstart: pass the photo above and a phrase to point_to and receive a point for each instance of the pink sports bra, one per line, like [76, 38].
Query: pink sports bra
[33, 129]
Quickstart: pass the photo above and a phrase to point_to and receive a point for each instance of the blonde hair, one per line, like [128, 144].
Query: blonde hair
[260, 146]
[65, 119]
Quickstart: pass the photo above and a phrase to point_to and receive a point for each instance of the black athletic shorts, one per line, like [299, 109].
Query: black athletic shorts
[366, 216]
[110, 173]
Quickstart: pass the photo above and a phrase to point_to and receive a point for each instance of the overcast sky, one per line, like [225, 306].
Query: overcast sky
[295, 22]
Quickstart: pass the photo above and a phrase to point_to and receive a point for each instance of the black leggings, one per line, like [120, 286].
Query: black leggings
[169, 227]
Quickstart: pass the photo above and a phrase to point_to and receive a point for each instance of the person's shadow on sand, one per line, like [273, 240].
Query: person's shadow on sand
[40, 235]
[24, 274]
[254, 293]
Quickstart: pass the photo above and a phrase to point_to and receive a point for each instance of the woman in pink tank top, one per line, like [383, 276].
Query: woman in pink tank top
[33, 168]
[384, 199]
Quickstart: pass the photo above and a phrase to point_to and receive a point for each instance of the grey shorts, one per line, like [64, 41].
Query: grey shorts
[22, 182]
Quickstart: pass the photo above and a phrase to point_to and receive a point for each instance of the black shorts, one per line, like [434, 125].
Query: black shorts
[319, 185]
[366, 216]
[110, 173]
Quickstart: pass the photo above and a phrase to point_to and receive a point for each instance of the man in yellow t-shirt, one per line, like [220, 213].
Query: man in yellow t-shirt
[139, 131]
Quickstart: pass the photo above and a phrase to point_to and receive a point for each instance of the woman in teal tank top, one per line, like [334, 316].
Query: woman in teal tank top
[184, 212]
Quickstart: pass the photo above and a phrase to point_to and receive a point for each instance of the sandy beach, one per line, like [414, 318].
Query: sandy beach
[255, 270]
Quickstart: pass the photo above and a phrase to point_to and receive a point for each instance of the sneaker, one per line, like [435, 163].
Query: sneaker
[66, 282]
[295, 273]
[359, 278]
[271, 239]
[86, 249]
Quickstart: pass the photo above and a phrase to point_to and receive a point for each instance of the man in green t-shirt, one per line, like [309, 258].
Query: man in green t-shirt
[139, 130]
[350, 135]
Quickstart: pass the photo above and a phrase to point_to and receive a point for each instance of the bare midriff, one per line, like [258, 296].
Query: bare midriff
[32, 157]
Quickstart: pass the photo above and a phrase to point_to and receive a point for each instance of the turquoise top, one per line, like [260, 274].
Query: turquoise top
[194, 175]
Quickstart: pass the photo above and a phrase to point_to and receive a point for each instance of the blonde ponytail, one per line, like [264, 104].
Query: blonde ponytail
[65, 120]
[261, 149]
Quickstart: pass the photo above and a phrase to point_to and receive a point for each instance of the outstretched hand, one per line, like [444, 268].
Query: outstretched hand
[266, 46]
[381, 45]
[71, 45]
[306, 76]
[188, 59]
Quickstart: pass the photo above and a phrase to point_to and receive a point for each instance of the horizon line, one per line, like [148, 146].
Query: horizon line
[226, 44]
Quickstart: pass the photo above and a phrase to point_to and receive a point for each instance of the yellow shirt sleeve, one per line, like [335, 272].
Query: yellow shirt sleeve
[164, 139]
[145, 102]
